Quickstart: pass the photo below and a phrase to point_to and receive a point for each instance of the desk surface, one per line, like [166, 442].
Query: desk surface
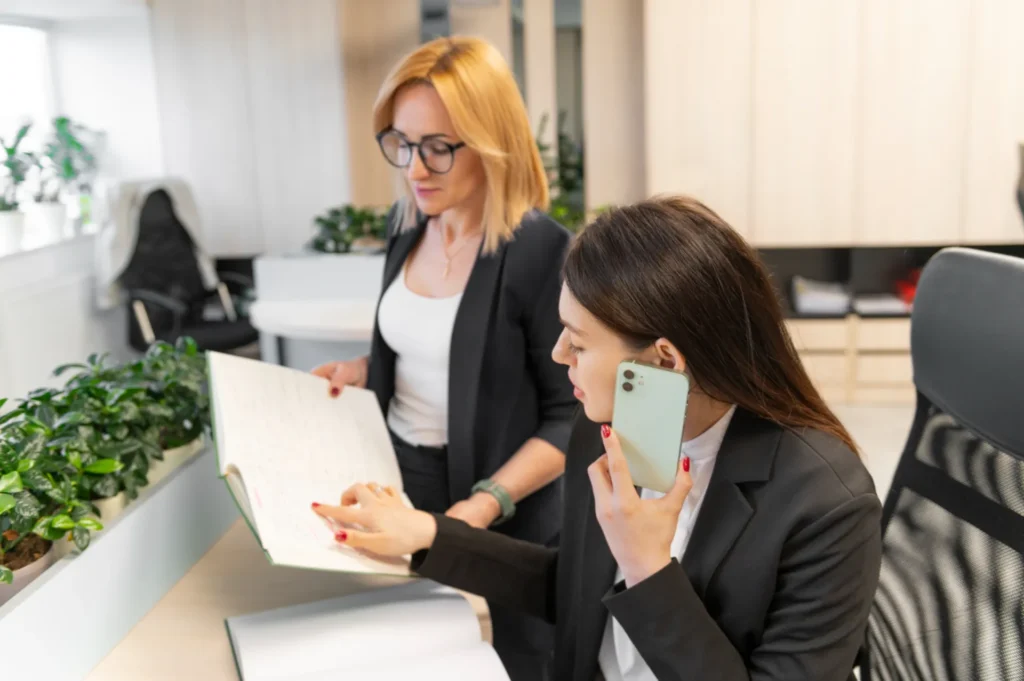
[322, 320]
[183, 637]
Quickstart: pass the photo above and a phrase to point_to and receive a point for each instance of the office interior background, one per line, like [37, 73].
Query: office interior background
[848, 140]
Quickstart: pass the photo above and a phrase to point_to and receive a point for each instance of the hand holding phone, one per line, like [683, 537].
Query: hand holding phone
[649, 413]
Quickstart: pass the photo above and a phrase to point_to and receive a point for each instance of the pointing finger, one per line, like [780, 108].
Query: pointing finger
[374, 542]
[343, 514]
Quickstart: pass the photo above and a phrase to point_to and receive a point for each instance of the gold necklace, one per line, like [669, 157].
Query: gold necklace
[449, 256]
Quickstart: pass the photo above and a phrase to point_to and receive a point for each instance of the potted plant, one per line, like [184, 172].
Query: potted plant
[41, 498]
[177, 401]
[101, 410]
[348, 229]
[65, 166]
[15, 165]
[565, 176]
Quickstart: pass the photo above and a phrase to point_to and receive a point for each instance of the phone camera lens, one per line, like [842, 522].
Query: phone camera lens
[628, 374]
[628, 387]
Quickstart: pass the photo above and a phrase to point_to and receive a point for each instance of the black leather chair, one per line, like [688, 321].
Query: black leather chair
[950, 603]
[167, 297]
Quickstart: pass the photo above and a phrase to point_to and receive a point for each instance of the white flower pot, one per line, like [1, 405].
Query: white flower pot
[12, 229]
[111, 507]
[173, 458]
[24, 576]
[49, 219]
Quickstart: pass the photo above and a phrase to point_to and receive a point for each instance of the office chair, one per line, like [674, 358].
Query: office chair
[167, 297]
[950, 602]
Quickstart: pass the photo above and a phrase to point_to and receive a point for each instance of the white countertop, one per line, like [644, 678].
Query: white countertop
[183, 637]
[322, 320]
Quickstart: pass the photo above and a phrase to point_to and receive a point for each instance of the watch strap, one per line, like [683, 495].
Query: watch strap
[504, 499]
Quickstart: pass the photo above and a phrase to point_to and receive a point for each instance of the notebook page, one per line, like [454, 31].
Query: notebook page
[478, 662]
[410, 621]
[263, 410]
[294, 445]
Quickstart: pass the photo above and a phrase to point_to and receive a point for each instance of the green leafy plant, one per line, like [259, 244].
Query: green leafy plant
[177, 401]
[62, 449]
[347, 228]
[40, 492]
[68, 161]
[16, 164]
[101, 416]
[565, 175]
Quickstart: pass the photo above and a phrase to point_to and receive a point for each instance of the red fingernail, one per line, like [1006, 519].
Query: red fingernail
[341, 536]
[335, 392]
[686, 464]
[605, 430]
[316, 505]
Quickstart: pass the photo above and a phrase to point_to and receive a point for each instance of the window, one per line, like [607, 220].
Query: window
[27, 86]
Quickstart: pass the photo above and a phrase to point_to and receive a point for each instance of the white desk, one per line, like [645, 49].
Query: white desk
[183, 637]
[312, 308]
[316, 320]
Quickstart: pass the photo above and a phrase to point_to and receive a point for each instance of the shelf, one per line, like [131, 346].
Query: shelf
[130, 565]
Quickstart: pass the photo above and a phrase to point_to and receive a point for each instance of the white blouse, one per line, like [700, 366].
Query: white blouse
[618, 658]
[419, 330]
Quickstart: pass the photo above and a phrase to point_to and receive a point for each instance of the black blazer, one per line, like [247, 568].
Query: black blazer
[776, 583]
[503, 386]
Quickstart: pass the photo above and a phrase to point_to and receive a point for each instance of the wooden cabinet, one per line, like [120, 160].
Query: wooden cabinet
[913, 117]
[995, 128]
[805, 141]
[837, 123]
[697, 102]
[856, 360]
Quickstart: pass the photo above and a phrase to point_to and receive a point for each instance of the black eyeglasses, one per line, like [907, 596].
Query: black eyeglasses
[437, 155]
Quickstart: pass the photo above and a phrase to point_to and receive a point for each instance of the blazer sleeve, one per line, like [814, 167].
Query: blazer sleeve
[543, 327]
[815, 625]
[516, 574]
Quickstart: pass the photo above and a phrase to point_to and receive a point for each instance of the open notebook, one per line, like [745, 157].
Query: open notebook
[283, 443]
[419, 630]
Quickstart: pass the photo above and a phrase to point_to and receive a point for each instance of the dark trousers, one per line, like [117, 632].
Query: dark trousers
[524, 643]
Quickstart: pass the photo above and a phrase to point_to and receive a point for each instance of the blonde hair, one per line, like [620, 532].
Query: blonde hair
[481, 96]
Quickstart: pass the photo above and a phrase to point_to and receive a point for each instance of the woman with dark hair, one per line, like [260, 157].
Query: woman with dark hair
[762, 560]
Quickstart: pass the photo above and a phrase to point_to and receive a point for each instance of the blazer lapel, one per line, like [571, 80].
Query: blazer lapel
[746, 455]
[382, 369]
[402, 246]
[472, 322]
[597, 569]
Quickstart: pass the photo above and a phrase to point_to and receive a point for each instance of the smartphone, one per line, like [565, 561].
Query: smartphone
[648, 416]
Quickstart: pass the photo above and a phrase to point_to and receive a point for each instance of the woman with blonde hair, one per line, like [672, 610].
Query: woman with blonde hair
[460, 358]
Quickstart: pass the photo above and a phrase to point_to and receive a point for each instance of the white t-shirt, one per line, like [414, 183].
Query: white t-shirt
[419, 330]
[618, 658]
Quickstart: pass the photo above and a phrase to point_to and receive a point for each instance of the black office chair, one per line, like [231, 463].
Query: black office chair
[167, 297]
[950, 603]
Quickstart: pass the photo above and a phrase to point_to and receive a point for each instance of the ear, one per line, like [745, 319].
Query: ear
[667, 355]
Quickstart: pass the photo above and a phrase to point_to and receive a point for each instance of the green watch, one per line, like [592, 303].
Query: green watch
[508, 507]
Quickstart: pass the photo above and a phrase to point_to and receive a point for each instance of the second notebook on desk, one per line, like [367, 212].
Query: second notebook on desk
[283, 443]
[420, 631]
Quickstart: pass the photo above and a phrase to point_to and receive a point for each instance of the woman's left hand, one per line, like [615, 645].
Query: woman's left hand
[639, 531]
[480, 510]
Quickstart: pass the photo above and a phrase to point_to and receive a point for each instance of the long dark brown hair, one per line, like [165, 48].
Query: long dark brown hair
[671, 268]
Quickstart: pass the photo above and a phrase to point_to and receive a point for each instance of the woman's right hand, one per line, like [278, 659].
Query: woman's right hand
[384, 525]
[341, 374]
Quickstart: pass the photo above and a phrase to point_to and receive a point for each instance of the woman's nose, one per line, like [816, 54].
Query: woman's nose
[417, 170]
[560, 353]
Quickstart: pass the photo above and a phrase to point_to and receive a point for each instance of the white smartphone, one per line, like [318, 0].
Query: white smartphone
[648, 416]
